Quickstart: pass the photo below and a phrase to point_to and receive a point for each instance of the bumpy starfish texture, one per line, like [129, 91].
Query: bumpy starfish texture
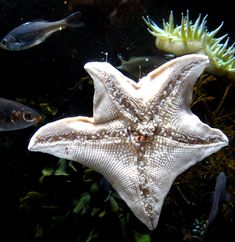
[191, 37]
[142, 135]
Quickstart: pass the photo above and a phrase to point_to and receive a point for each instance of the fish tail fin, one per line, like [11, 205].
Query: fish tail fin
[74, 20]
[120, 57]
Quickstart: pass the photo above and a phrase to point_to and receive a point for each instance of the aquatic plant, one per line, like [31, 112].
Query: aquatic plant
[57, 204]
[189, 37]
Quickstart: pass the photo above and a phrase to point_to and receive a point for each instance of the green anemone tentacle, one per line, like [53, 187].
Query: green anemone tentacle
[193, 37]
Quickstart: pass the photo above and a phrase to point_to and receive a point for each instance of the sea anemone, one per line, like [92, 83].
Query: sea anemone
[194, 37]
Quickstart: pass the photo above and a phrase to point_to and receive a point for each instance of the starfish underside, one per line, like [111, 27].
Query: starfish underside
[142, 135]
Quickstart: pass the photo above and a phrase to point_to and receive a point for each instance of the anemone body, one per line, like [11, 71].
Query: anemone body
[189, 37]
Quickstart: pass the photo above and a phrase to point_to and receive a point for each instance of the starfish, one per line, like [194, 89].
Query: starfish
[141, 136]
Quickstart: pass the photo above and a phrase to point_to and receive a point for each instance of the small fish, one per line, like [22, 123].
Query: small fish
[14, 115]
[35, 32]
[219, 196]
[138, 66]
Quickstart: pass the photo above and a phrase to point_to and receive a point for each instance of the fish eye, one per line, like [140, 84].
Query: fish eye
[4, 41]
[28, 117]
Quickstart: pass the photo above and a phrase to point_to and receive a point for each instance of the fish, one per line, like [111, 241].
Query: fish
[15, 115]
[138, 66]
[35, 32]
[219, 196]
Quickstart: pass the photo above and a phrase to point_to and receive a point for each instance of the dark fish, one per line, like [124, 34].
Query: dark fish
[138, 66]
[33, 33]
[14, 115]
[219, 196]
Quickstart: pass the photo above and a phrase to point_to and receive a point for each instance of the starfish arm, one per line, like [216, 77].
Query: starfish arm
[104, 109]
[171, 84]
[164, 160]
[106, 150]
[99, 147]
[75, 138]
[119, 92]
[177, 157]
[185, 127]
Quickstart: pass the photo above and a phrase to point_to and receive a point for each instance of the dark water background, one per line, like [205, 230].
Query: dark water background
[51, 73]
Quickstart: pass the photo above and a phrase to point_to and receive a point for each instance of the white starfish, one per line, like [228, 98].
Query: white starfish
[142, 134]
